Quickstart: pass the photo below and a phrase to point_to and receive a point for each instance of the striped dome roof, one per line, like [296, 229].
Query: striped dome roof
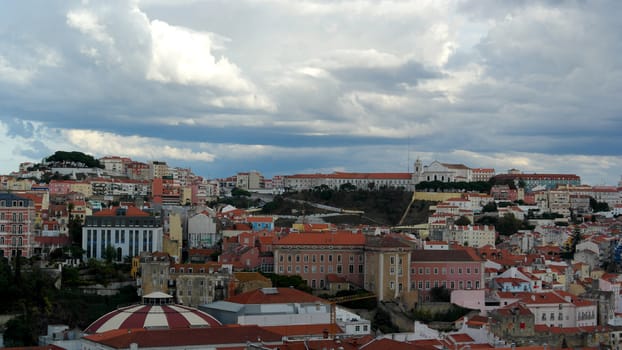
[149, 315]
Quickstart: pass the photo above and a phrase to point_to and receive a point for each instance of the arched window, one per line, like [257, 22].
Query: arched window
[20, 241]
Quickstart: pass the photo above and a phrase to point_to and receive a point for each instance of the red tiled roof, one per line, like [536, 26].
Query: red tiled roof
[130, 211]
[260, 219]
[121, 339]
[275, 296]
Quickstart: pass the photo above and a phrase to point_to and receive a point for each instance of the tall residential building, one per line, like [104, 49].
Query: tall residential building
[17, 215]
[158, 169]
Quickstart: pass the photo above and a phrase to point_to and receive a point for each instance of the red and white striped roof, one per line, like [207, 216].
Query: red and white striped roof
[152, 316]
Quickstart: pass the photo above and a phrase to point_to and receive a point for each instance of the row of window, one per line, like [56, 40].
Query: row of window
[426, 285]
[17, 229]
[15, 217]
[14, 203]
[322, 268]
[443, 270]
[14, 241]
[314, 258]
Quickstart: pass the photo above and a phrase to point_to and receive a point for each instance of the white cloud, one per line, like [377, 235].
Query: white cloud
[12, 74]
[184, 56]
[104, 143]
[88, 23]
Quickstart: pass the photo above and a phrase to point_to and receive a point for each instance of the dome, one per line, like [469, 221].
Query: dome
[156, 311]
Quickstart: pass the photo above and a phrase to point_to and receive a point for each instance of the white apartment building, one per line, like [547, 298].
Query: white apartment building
[472, 236]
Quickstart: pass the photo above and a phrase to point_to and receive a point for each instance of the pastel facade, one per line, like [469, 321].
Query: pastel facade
[17, 216]
[472, 236]
[313, 256]
[387, 262]
[452, 269]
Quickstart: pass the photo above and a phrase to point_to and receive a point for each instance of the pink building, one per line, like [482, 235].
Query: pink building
[314, 256]
[17, 216]
[452, 269]
[59, 187]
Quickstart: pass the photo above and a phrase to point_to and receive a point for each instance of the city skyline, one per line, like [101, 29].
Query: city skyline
[311, 86]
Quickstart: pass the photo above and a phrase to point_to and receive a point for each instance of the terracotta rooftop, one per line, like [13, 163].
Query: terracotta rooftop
[275, 296]
[240, 335]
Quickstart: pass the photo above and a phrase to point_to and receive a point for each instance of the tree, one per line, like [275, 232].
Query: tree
[238, 192]
[598, 206]
[508, 225]
[110, 254]
[347, 187]
[489, 207]
[462, 221]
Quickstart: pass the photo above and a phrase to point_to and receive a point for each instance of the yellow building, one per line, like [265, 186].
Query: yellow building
[82, 187]
[387, 267]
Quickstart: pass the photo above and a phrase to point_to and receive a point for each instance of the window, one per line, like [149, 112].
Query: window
[305, 258]
[444, 271]
[421, 270]
[427, 270]
[351, 268]
[420, 284]
[427, 284]
[392, 259]
[339, 270]
[460, 270]
[436, 270]
[392, 285]
[468, 270]
[297, 258]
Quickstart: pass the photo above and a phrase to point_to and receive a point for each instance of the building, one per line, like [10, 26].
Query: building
[442, 172]
[313, 256]
[472, 236]
[157, 311]
[271, 307]
[386, 266]
[201, 231]
[482, 174]
[335, 180]
[547, 181]
[452, 269]
[122, 232]
[17, 215]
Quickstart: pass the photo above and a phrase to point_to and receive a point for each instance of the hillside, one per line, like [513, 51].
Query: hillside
[381, 207]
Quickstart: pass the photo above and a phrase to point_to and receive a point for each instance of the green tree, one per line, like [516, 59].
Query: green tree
[462, 221]
[110, 254]
[489, 207]
[508, 225]
[347, 187]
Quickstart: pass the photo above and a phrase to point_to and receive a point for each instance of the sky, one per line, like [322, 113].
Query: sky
[307, 86]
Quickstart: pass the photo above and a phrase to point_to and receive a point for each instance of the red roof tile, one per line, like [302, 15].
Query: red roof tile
[275, 296]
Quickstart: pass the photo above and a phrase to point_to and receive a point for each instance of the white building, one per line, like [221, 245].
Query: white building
[128, 231]
[201, 231]
[472, 236]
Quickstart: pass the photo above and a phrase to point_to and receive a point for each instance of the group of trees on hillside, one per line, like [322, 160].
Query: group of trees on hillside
[76, 158]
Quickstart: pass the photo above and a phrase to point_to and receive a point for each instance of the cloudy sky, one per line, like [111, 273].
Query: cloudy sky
[302, 86]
